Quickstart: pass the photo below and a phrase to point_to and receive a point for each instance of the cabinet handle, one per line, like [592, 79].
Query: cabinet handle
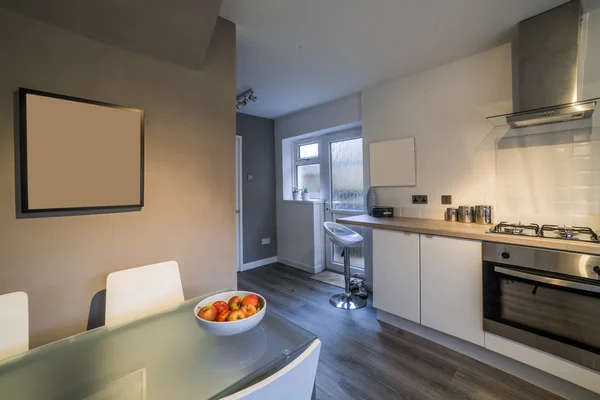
[429, 236]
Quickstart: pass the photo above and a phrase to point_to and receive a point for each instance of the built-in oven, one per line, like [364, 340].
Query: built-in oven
[546, 299]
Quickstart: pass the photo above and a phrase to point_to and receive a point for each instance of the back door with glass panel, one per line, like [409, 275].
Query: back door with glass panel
[345, 192]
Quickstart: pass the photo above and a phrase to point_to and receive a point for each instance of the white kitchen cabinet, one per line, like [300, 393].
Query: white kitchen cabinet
[451, 287]
[396, 273]
[567, 370]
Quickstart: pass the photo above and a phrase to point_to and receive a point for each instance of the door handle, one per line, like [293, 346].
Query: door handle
[550, 281]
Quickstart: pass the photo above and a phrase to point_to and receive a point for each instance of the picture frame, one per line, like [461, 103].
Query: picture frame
[78, 156]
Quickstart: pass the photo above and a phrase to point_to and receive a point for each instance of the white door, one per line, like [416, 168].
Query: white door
[345, 192]
[238, 203]
[451, 287]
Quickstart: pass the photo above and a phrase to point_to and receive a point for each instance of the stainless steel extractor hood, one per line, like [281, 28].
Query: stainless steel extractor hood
[546, 68]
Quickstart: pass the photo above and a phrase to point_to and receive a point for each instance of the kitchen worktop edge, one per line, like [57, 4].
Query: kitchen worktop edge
[466, 231]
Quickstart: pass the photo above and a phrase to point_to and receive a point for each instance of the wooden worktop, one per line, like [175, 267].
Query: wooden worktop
[466, 231]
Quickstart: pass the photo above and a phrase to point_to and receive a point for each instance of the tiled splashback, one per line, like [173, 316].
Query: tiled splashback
[551, 178]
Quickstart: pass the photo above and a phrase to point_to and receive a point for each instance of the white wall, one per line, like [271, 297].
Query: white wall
[336, 115]
[445, 110]
[300, 225]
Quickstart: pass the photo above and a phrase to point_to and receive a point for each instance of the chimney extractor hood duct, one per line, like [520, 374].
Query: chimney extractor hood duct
[545, 71]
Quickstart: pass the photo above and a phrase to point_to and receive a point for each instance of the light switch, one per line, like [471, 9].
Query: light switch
[266, 241]
[249, 177]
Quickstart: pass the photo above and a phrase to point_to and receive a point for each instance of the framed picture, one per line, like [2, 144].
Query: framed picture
[78, 155]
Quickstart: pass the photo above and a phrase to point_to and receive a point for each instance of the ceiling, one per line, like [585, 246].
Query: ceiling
[177, 31]
[298, 54]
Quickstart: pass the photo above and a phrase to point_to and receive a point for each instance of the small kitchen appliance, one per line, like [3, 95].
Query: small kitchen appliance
[382, 212]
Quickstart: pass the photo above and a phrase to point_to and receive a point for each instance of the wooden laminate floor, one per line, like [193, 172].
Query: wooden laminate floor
[362, 358]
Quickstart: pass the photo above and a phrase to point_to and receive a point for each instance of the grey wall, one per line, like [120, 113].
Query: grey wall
[62, 262]
[258, 159]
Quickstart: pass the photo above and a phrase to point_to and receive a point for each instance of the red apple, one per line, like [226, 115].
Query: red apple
[208, 313]
[235, 315]
[248, 310]
[235, 303]
[220, 306]
[222, 317]
[251, 299]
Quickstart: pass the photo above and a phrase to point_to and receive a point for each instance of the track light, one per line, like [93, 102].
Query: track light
[242, 99]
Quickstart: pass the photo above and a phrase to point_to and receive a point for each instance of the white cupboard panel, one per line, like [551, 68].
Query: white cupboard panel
[396, 273]
[567, 370]
[392, 163]
[451, 287]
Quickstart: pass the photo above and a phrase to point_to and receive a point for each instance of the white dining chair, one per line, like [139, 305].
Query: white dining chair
[137, 292]
[14, 324]
[293, 382]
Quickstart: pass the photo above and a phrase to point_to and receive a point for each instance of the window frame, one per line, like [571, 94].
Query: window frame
[310, 160]
[307, 161]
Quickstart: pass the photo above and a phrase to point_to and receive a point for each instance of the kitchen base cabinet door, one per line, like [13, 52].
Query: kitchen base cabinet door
[451, 287]
[396, 273]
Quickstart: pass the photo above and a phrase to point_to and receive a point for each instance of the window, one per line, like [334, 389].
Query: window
[308, 168]
[307, 151]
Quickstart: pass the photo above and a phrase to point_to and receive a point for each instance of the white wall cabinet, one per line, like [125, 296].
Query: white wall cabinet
[451, 289]
[396, 287]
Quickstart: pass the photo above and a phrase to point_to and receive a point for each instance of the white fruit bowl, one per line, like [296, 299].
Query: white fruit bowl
[230, 327]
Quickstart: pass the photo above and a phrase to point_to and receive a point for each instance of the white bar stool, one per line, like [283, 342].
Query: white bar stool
[346, 238]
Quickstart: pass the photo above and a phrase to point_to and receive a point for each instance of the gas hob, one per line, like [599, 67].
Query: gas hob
[576, 233]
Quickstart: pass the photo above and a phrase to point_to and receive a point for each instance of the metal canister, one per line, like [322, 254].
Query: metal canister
[465, 214]
[484, 215]
[450, 214]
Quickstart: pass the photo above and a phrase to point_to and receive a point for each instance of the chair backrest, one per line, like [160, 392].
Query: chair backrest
[294, 382]
[14, 324]
[137, 292]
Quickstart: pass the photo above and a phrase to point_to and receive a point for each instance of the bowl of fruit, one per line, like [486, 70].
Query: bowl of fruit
[230, 313]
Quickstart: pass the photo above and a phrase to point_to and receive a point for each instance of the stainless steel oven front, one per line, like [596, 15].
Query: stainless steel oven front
[546, 299]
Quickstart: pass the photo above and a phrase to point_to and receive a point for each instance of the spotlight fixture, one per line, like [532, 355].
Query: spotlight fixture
[242, 99]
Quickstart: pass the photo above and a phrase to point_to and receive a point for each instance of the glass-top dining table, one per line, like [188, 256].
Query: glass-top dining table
[162, 356]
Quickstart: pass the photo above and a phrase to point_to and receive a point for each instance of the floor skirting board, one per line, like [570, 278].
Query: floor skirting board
[307, 268]
[533, 375]
[259, 263]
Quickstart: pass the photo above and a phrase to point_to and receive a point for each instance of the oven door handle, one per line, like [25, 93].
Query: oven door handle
[551, 281]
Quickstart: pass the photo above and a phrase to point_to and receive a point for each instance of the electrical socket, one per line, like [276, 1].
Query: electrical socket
[266, 241]
[419, 199]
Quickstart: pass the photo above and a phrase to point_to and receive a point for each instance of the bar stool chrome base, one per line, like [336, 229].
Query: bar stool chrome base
[347, 301]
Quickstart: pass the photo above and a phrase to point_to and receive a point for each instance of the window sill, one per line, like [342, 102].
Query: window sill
[312, 201]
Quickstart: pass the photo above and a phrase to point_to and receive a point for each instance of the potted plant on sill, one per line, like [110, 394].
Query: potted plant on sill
[304, 192]
[296, 193]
